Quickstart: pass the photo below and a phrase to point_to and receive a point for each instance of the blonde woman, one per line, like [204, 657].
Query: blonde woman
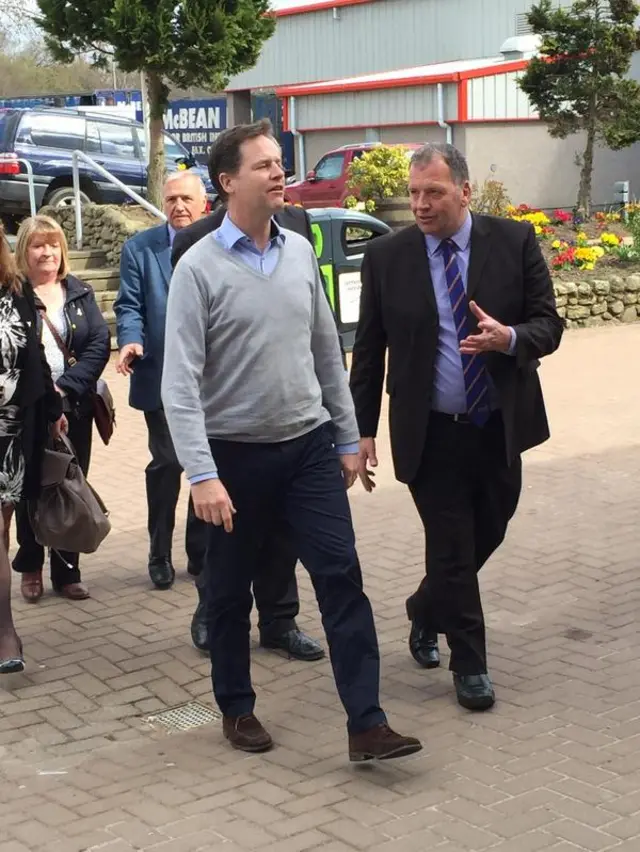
[77, 347]
[29, 408]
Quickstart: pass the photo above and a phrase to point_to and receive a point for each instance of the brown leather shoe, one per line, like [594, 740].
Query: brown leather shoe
[381, 743]
[246, 733]
[31, 586]
[74, 591]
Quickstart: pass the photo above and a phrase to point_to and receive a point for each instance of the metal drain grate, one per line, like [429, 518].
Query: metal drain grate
[185, 717]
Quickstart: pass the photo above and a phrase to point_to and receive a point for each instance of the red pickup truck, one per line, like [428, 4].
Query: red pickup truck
[326, 184]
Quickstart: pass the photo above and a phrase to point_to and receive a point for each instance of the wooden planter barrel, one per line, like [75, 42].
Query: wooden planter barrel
[394, 212]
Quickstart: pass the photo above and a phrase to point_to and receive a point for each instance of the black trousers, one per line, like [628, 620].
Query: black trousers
[297, 484]
[275, 587]
[466, 494]
[30, 556]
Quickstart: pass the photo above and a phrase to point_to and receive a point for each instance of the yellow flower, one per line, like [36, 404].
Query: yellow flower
[598, 251]
[537, 229]
[581, 237]
[609, 239]
[588, 266]
[556, 244]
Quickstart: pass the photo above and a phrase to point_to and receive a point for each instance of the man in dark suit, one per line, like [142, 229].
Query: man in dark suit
[140, 308]
[464, 306]
[275, 589]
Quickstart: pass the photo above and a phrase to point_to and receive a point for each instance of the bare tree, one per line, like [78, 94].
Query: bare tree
[18, 17]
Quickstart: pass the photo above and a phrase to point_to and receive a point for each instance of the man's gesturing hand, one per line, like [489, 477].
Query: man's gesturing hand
[367, 456]
[493, 337]
[212, 503]
[127, 356]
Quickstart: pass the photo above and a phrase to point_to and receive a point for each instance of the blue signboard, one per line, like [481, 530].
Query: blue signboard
[196, 123]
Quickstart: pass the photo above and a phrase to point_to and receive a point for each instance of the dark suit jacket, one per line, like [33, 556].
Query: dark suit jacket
[293, 218]
[508, 278]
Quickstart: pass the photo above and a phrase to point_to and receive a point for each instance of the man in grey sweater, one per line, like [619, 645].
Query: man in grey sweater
[262, 420]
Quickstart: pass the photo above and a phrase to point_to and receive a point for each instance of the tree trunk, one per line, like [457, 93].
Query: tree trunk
[586, 172]
[157, 101]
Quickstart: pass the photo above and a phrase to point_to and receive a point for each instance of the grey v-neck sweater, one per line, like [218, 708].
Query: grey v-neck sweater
[250, 357]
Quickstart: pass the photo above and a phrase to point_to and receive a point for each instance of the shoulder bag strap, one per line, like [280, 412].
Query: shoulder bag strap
[62, 346]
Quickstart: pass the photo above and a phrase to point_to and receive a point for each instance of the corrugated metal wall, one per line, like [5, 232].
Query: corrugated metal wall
[498, 97]
[381, 36]
[317, 143]
[372, 108]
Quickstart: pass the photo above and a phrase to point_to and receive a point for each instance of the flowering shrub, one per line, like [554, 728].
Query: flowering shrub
[527, 214]
[578, 256]
[540, 221]
[582, 251]
[609, 241]
[352, 203]
[606, 218]
[380, 173]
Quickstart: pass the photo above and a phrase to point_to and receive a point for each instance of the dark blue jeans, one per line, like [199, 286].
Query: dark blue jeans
[297, 483]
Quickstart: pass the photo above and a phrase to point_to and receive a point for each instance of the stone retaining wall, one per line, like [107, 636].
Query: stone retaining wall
[104, 227]
[599, 301]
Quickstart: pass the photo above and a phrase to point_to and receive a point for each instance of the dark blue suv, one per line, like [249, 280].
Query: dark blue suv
[47, 137]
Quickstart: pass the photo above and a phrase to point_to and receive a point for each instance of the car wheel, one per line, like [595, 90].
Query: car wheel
[63, 197]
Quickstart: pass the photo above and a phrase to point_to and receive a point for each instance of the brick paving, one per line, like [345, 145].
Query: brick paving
[555, 766]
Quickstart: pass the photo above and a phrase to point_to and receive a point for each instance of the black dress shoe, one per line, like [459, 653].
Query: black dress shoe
[475, 692]
[424, 647]
[162, 573]
[423, 644]
[199, 634]
[296, 643]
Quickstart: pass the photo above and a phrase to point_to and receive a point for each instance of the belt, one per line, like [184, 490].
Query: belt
[453, 418]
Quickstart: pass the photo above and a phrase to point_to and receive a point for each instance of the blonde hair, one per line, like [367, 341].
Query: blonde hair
[9, 279]
[41, 225]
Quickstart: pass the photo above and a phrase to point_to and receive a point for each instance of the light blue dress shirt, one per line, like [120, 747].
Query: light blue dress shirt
[172, 234]
[449, 393]
[235, 241]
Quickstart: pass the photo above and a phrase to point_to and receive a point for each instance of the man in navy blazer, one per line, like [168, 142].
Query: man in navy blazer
[140, 308]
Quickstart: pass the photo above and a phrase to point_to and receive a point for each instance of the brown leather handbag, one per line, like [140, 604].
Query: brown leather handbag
[104, 410]
[68, 513]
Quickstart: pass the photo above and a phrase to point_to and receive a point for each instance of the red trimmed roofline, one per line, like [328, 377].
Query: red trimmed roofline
[317, 6]
[332, 87]
[491, 70]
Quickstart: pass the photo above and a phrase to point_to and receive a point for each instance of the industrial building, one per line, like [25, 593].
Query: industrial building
[410, 70]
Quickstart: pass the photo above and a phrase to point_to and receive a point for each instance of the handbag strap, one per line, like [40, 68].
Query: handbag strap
[62, 346]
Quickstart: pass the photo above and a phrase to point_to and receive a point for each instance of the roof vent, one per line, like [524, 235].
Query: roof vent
[523, 27]
[520, 46]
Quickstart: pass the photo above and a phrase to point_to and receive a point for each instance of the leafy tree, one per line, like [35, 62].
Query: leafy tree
[578, 82]
[184, 42]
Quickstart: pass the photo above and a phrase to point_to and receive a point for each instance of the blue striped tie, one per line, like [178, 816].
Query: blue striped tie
[475, 372]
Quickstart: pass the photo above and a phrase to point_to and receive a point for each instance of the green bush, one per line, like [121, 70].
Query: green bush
[382, 172]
